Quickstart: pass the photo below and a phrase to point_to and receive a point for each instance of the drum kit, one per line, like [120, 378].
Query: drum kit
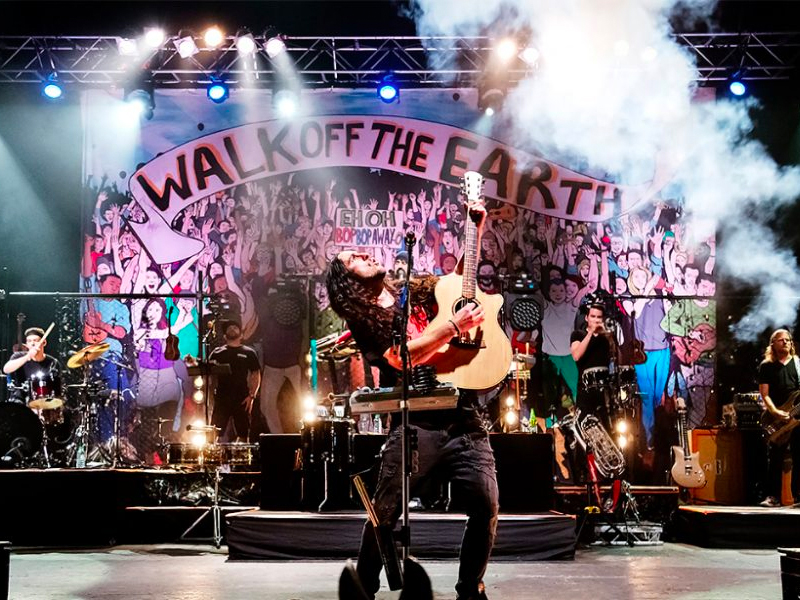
[618, 386]
[43, 430]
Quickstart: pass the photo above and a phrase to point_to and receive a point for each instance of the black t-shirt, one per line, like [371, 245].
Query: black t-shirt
[43, 377]
[598, 352]
[373, 344]
[781, 379]
[242, 360]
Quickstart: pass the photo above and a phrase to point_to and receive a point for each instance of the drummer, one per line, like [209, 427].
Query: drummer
[33, 365]
[592, 348]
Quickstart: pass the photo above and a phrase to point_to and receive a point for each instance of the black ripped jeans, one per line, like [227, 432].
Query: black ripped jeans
[466, 460]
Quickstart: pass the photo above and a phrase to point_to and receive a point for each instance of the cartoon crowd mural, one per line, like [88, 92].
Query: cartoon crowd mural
[253, 213]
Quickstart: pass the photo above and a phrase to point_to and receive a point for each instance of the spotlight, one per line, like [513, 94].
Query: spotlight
[245, 44]
[154, 37]
[737, 87]
[510, 401]
[51, 88]
[506, 49]
[622, 441]
[198, 382]
[530, 55]
[309, 404]
[139, 96]
[388, 91]
[275, 46]
[198, 439]
[649, 54]
[213, 37]
[511, 418]
[127, 47]
[491, 100]
[622, 426]
[186, 46]
[285, 103]
[198, 396]
[309, 416]
[217, 91]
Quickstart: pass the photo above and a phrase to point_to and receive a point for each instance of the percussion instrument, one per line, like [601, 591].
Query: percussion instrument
[87, 354]
[595, 378]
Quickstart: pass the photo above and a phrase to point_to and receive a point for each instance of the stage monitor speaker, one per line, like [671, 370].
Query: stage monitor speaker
[524, 463]
[721, 459]
[281, 480]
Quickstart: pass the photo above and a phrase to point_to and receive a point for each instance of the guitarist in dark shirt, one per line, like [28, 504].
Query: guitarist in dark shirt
[778, 377]
[456, 447]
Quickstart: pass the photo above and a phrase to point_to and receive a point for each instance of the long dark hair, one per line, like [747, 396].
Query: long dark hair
[354, 301]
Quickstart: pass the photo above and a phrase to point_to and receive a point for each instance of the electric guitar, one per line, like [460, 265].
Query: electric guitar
[686, 471]
[777, 430]
[476, 359]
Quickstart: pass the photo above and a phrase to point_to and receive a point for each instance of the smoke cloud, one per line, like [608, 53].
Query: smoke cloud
[615, 91]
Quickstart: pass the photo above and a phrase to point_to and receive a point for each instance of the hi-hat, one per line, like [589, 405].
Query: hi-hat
[86, 355]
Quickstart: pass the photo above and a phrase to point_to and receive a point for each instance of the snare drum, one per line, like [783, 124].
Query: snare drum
[595, 378]
[183, 455]
[43, 399]
[238, 455]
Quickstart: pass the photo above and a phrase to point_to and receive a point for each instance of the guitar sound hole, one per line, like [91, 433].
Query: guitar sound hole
[465, 340]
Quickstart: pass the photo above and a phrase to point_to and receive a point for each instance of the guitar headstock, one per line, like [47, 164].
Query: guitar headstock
[472, 186]
[21, 318]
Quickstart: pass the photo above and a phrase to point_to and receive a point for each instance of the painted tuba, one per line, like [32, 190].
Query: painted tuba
[593, 437]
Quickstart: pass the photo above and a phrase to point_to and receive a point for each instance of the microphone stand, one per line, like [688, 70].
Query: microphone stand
[409, 441]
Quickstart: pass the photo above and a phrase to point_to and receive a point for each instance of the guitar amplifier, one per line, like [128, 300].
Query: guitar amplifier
[721, 458]
[748, 409]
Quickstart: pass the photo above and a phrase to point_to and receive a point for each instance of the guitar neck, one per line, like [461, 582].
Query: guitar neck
[470, 259]
[682, 430]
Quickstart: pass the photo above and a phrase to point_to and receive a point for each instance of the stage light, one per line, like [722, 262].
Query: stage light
[511, 418]
[127, 47]
[506, 49]
[491, 100]
[198, 382]
[530, 55]
[285, 102]
[217, 91]
[245, 44]
[198, 396]
[186, 46]
[649, 54]
[622, 441]
[198, 439]
[213, 37]
[621, 48]
[622, 426]
[154, 37]
[737, 88]
[388, 91]
[51, 88]
[309, 416]
[275, 46]
[309, 403]
[510, 401]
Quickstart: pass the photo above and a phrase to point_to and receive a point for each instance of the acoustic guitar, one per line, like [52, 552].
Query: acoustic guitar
[479, 358]
[171, 351]
[686, 471]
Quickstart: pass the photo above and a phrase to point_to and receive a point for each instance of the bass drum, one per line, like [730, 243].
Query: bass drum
[20, 434]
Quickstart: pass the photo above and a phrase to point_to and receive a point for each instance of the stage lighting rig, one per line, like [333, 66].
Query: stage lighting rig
[127, 46]
[388, 90]
[217, 90]
[245, 43]
[286, 102]
[51, 88]
[154, 37]
[213, 36]
[275, 46]
[186, 46]
[736, 85]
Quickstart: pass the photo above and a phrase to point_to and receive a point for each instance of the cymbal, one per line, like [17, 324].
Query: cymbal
[87, 355]
[45, 403]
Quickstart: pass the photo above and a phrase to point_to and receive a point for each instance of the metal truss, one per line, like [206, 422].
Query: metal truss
[420, 62]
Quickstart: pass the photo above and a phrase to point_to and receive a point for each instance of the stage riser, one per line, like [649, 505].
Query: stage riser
[263, 535]
[524, 472]
[752, 528]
